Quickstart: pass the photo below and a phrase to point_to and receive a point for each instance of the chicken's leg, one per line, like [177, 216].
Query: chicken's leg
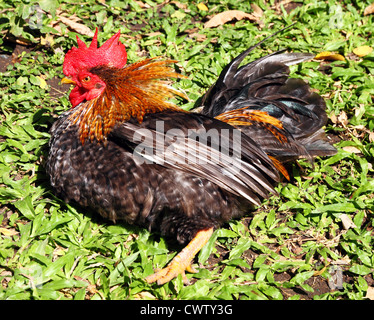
[182, 261]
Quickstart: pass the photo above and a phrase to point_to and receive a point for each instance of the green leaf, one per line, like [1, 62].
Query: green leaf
[238, 262]
[56, 266]
[260, 260]
[336, 207]
[208, 248]
[270, 219]
[26, 207]
[262, 273]
[21, 81]
[271, 291]
[49, 6]
[226, 233]
[199, 290]
[301, 277]
[281, 230]
[64, 283]
[9, 194]
[130, 259]
[47, 226]
[360, 269]
[242, 245]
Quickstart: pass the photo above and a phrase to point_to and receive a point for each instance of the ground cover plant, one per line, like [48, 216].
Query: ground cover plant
[313, 241]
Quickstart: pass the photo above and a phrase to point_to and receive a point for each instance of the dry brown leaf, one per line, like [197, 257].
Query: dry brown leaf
[343, 118]
[347, 221]
[143, 5]
[352, 149]
[73, 22]
[8, 232]
[76, 26]
[369, 9]
[333, 117]
[371, 136]
[144, 295]
[227, 16]
[73, 17]
[344, 261]
[277, 6]
[198, 37]
[370, 293]
[257, 11]
[362, 51]
[179, 5]
[327, 55]
[153, 34]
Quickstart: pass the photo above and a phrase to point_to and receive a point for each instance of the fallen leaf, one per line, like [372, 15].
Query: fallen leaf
[344, 261]
[198, 37]
[370, 293]
[154, 34]
[333, 117]
[347, 221]
[42, 83]
[77, 27]
[362, 51]
[371, 136]
[201, 6]
[144, 295]
[143, 5]
[8, 232]
[179, 5]
[352, 149]
[257, 11]
[369, 9]
[327, 55]
[343, 118]
[47, 40]
[359, 110]
[227, 16]
[278, 5]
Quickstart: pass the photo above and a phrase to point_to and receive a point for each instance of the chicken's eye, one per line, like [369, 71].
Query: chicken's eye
[86, 79]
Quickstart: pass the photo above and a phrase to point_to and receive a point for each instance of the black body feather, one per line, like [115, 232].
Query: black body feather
[159, 190]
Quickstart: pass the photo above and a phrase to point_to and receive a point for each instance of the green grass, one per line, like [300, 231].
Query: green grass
[287, 249]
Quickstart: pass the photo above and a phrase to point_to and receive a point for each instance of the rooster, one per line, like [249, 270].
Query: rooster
[127, 152]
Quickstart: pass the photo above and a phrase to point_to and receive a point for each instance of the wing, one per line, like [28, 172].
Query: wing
[204, 147]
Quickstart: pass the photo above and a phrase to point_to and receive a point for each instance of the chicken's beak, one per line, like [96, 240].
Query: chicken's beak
[68, 81]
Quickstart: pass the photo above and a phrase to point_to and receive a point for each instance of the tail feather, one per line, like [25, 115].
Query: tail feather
[264, 86]
[263, 75]
[317, 144]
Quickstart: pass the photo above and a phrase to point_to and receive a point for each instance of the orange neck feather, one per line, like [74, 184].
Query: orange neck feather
[131, 92]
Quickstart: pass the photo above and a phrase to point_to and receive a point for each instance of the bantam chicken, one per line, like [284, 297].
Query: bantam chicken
[131, 155]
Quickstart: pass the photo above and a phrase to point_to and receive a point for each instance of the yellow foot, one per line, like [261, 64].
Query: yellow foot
[170, 272]
[182, 261]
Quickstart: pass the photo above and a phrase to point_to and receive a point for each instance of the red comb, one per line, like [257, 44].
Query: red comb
[112, 53]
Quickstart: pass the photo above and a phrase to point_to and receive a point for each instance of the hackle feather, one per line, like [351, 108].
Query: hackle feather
[131, 92]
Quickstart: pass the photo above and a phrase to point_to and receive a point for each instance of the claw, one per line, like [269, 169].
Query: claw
[167, 274]
[182, 261]
[191, 269]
